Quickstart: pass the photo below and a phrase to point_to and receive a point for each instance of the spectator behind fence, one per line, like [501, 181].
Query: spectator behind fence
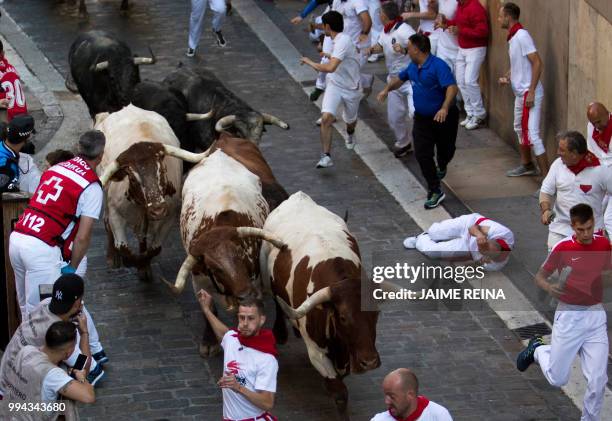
[17, 133]
[12, 96]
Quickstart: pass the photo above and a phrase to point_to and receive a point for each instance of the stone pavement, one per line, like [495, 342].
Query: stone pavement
[464, 359]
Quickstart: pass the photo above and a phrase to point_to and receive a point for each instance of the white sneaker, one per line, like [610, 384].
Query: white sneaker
[474, 123]
[325, 162]
[350, 142]
[410, 242]
[373, 58]
[466, 121]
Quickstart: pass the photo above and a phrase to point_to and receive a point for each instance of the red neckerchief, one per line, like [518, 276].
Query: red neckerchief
[603, 138]
[389, 26]
[589, 160]
[422, 403]
[263, 342]
[514, 30]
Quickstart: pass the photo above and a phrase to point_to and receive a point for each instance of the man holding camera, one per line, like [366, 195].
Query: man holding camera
[249, 361]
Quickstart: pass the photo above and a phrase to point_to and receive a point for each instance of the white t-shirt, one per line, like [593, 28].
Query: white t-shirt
[53, 382]
[446, 40]
[347, 73]
[89, 204]
[433, 412]
[604, 157]
[29, 176]
[589, 186]
[350, 10]
[396, 62]
[253, 369]
[425, 25]
[496, 231]
[519, 47]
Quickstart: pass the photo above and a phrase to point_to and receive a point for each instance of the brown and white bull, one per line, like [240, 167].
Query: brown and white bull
[142, 179]
[319, 275]
[222, 215]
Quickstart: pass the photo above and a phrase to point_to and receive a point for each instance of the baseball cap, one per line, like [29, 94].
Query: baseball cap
[66, 290]
[20, 128]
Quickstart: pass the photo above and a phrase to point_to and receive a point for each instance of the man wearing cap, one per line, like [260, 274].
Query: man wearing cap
[65, 304]
[468, 237]
[18, 132]
[11, 93]
[34, 376]
[56, 226]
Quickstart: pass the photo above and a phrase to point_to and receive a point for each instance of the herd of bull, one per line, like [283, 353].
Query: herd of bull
[243, 234]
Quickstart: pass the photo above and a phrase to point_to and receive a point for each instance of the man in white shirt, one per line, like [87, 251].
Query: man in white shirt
[377, 26]
[428, 10]
[401, 389]
[343, 85]
[575, 177]
[249, 361]
[448, 46]
[524, 76]
[393, 42]
[599, 132]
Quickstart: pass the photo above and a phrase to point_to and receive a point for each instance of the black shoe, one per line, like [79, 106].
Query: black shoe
[96, 375]
[525, 357]
[441, 173]
[434, 199]
[190, 52]
[314, 95]
[219, 37]
[100, 357]
[403, 151]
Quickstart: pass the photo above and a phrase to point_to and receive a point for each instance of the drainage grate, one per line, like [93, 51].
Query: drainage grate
[528, 332]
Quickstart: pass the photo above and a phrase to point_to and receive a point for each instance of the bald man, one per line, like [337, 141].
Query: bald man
[599, 129]
[401, 389]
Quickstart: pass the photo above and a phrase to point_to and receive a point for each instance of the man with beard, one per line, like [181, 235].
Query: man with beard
[249, 361]
[401, 388]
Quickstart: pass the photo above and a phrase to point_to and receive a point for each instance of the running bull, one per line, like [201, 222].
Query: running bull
[142, 179]
[319, 275]
[203, 92]
[221, 218]
[103, 71]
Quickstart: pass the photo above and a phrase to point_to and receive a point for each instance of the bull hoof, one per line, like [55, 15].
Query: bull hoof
[114, 261]
[209, 351]
[145, 274]
[296, 332]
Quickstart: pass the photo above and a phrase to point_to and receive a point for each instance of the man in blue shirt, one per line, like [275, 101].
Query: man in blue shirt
[436, 117]
[17, 133]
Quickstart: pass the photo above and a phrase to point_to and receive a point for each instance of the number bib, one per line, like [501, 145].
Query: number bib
[53, 206]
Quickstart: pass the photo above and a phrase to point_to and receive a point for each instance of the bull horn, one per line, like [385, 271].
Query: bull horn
[103, 65]
[321, 296]
[70, 84]
[186, 155]
[198, 117]
[260, 233]
[225, 122]
[270, 119]
[109, 172]
[181, 277]
[145, 60]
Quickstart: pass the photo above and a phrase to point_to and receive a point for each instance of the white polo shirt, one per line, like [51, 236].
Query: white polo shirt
[447, 40]
[425, 25]
[347, 74]
[604, 157]
[350, 10]
[519, 47]
[433, 412]
[589, 186]
[396, 62]
[253, 369]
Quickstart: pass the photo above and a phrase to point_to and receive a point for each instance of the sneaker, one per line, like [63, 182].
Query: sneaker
[190, 52]
[315, 94]
[466, 121]
[434, 199]
[525, 357]
[100, 357]
[522, 170]
[441, 173]
[410, 242]
[400, 152]
[373, 58]
[325, 161]
[474, 123]
[219, 38]
[96, 375]
[350, 142]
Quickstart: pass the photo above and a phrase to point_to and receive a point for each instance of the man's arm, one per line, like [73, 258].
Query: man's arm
[546, 203]
[366, 25]
[451, 93]
[329, 67]
[79, 390]
[217, 325]
[84, 339]
[536, 71]
[541, 281]
[81, 241]
[393, 84]
[429, 14]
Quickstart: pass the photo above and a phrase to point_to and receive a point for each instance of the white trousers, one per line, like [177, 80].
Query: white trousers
[553, 238]
[447, 239]
[400, 106]
[535, 115]
[448, 55]
[467, 71]
[196, 21]
[36, 263]
[578, 330]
